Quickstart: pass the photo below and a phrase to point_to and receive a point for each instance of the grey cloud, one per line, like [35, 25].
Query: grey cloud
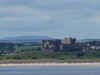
[72, 16]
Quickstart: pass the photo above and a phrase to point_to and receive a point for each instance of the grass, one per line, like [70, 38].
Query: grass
[49, 60]
[58, 56]
[26, 47]
[75, 56]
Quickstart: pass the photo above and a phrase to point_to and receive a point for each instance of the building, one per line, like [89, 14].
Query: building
[50, 45]
[57, 46]
[94, 47]
[70, 41]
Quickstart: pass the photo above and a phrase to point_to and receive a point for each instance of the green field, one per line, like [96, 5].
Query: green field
[31, 57]
[26, 47]
[57, 55]
[23, 41]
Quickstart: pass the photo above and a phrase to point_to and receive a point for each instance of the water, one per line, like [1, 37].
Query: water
[50, 70]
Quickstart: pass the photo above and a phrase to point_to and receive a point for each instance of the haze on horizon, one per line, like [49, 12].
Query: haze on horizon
[53, 18]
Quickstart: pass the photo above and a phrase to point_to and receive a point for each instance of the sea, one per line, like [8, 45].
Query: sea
[59, 70]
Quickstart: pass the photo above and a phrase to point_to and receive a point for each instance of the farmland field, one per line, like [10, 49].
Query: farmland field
[26, 47]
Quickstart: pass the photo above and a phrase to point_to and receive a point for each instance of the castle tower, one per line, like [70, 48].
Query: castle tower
[70, 41]
[65, 41]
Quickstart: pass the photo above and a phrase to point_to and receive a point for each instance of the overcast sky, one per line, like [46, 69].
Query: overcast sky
[54, 18]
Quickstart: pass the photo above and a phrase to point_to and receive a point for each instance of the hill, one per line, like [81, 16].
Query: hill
[92, 39]
[26, 38]
[88, 40]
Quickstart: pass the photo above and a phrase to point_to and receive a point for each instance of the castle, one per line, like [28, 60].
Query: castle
[57, 46]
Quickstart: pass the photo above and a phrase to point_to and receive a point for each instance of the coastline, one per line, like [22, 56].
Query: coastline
[48, 64]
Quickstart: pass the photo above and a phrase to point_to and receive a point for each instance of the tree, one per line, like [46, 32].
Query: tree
[19, 45]
[6, 46]
[39, 49]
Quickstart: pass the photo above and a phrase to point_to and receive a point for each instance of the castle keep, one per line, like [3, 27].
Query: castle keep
[57, 46]
[70, 41]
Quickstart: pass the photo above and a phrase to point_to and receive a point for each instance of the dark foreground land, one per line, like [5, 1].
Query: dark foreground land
[68, 57]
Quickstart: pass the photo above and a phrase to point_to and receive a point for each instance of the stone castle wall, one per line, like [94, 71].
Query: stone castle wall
[54, 45]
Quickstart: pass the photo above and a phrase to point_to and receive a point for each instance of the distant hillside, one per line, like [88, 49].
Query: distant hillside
[26, 38]
[87, 40]
[92, 39]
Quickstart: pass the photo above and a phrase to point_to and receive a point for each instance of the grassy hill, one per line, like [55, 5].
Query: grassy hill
[69, 57]
[59, 56]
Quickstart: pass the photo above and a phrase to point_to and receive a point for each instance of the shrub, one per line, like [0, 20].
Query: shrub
[34, 58]
[80, 54]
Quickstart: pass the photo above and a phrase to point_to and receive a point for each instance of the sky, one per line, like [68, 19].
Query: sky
[54, 18]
